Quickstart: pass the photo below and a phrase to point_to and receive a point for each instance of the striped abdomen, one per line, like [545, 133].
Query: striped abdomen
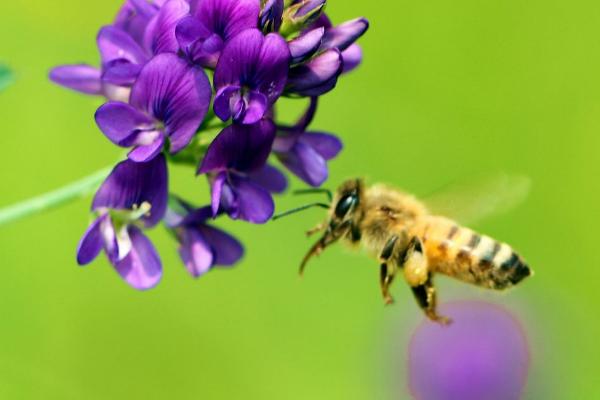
[466, 255]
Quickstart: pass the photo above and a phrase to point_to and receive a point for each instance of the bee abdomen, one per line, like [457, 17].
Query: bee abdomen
[466, 255]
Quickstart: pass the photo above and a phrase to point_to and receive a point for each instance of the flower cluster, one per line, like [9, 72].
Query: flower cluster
[158, 59]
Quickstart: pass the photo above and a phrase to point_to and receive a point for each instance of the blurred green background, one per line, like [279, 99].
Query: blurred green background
[448, 90]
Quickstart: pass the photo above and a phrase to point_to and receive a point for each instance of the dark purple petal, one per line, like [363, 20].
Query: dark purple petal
[91, 243]
[270, 15]
[240, 147]
[130, 184]
[141, 268]
[306, 45]
[121, 72]
[160, 35]
[226, 248]
[121, 123]
[195, 252]
[145, 153]
[200, 45]
[327, 145]
[115, 43]
[343, 35]
[175, 93]
[352, 58]
[253, 203]
[227, 18]
[82, 78]
[255, 61]
[317, 76]
[483, 354]
[270, 178]
[226, 100]
[306, 163]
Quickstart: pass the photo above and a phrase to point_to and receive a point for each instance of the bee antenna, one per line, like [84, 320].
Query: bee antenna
[296, 210]
[315, 190]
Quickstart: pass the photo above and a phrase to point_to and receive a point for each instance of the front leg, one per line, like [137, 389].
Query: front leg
[388, 270]
[418, 276]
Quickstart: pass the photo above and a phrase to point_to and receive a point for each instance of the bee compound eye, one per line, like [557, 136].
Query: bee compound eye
[344, 205]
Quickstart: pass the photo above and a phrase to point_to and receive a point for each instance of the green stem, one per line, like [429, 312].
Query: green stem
[53, 199]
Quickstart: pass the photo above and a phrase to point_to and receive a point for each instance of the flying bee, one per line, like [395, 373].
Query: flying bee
[398, 230]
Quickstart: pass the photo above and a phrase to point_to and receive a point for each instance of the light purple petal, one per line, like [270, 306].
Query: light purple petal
[145, 153]
[216, 190]
[82, 78]
[115, 43]
[121, 72]
[343, 35]
[160, 35]
[134, 16]
[240, 147]
[327, 145]
[352, 58]
[91, 243]
[270, 178]
[254, 204]
[121, 123]
[226, 248]
[320, 73]
[175, 93]
[195, 252]
[306, 164]
[257, 105]
[306, 45]
[130, 184]
[141, 268]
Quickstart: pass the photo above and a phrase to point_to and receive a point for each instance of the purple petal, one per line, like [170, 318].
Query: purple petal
[147, 152]
[141, 268]
[115, 43]
[306, 45]
[343, 35]
[121, 123]
[216, 190]
[160, 35]
[270, 178]
[82, 78]
[225, 99]
[352, 58]
[253, 60]
[130, 184]
[121, 72]
[254, 204]
[306, 163]
[327, 145]
[226, 248]
[200, 45]
[240, 147]
[195, 252]
[270, 15]
[91, 243]
[134, 16]
[175, 93]
[317, 76]
[256, 108]
[227, 18]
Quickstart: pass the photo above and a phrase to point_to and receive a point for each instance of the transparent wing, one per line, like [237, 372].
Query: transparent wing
[473, 202]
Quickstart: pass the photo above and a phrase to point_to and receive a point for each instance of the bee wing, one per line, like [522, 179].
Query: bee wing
[476, 201]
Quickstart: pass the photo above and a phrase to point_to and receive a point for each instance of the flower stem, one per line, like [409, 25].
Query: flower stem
[54, 199]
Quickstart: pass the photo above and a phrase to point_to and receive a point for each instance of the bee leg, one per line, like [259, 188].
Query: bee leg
[427, 299]
[387, 271]
[418, 276]
[316, 229]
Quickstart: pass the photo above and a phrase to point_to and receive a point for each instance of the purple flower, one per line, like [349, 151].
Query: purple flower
[201, 246]
[168, 100]
[483, 354]
[271, 15]
[241, 181]
[304, 153]
[133, 195]
[134, 16]
[214, 22]
[250, 76]
[160, 36]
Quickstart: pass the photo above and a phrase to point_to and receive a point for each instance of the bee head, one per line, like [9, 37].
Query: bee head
[347, 199]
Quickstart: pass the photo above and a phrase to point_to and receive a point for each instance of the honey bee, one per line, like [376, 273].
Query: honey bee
[398, 230]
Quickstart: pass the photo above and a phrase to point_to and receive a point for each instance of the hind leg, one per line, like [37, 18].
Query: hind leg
[387, 270]
[418, 276]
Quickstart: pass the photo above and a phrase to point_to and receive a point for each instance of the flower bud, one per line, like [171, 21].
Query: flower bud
[300, 15]
[271, 15]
